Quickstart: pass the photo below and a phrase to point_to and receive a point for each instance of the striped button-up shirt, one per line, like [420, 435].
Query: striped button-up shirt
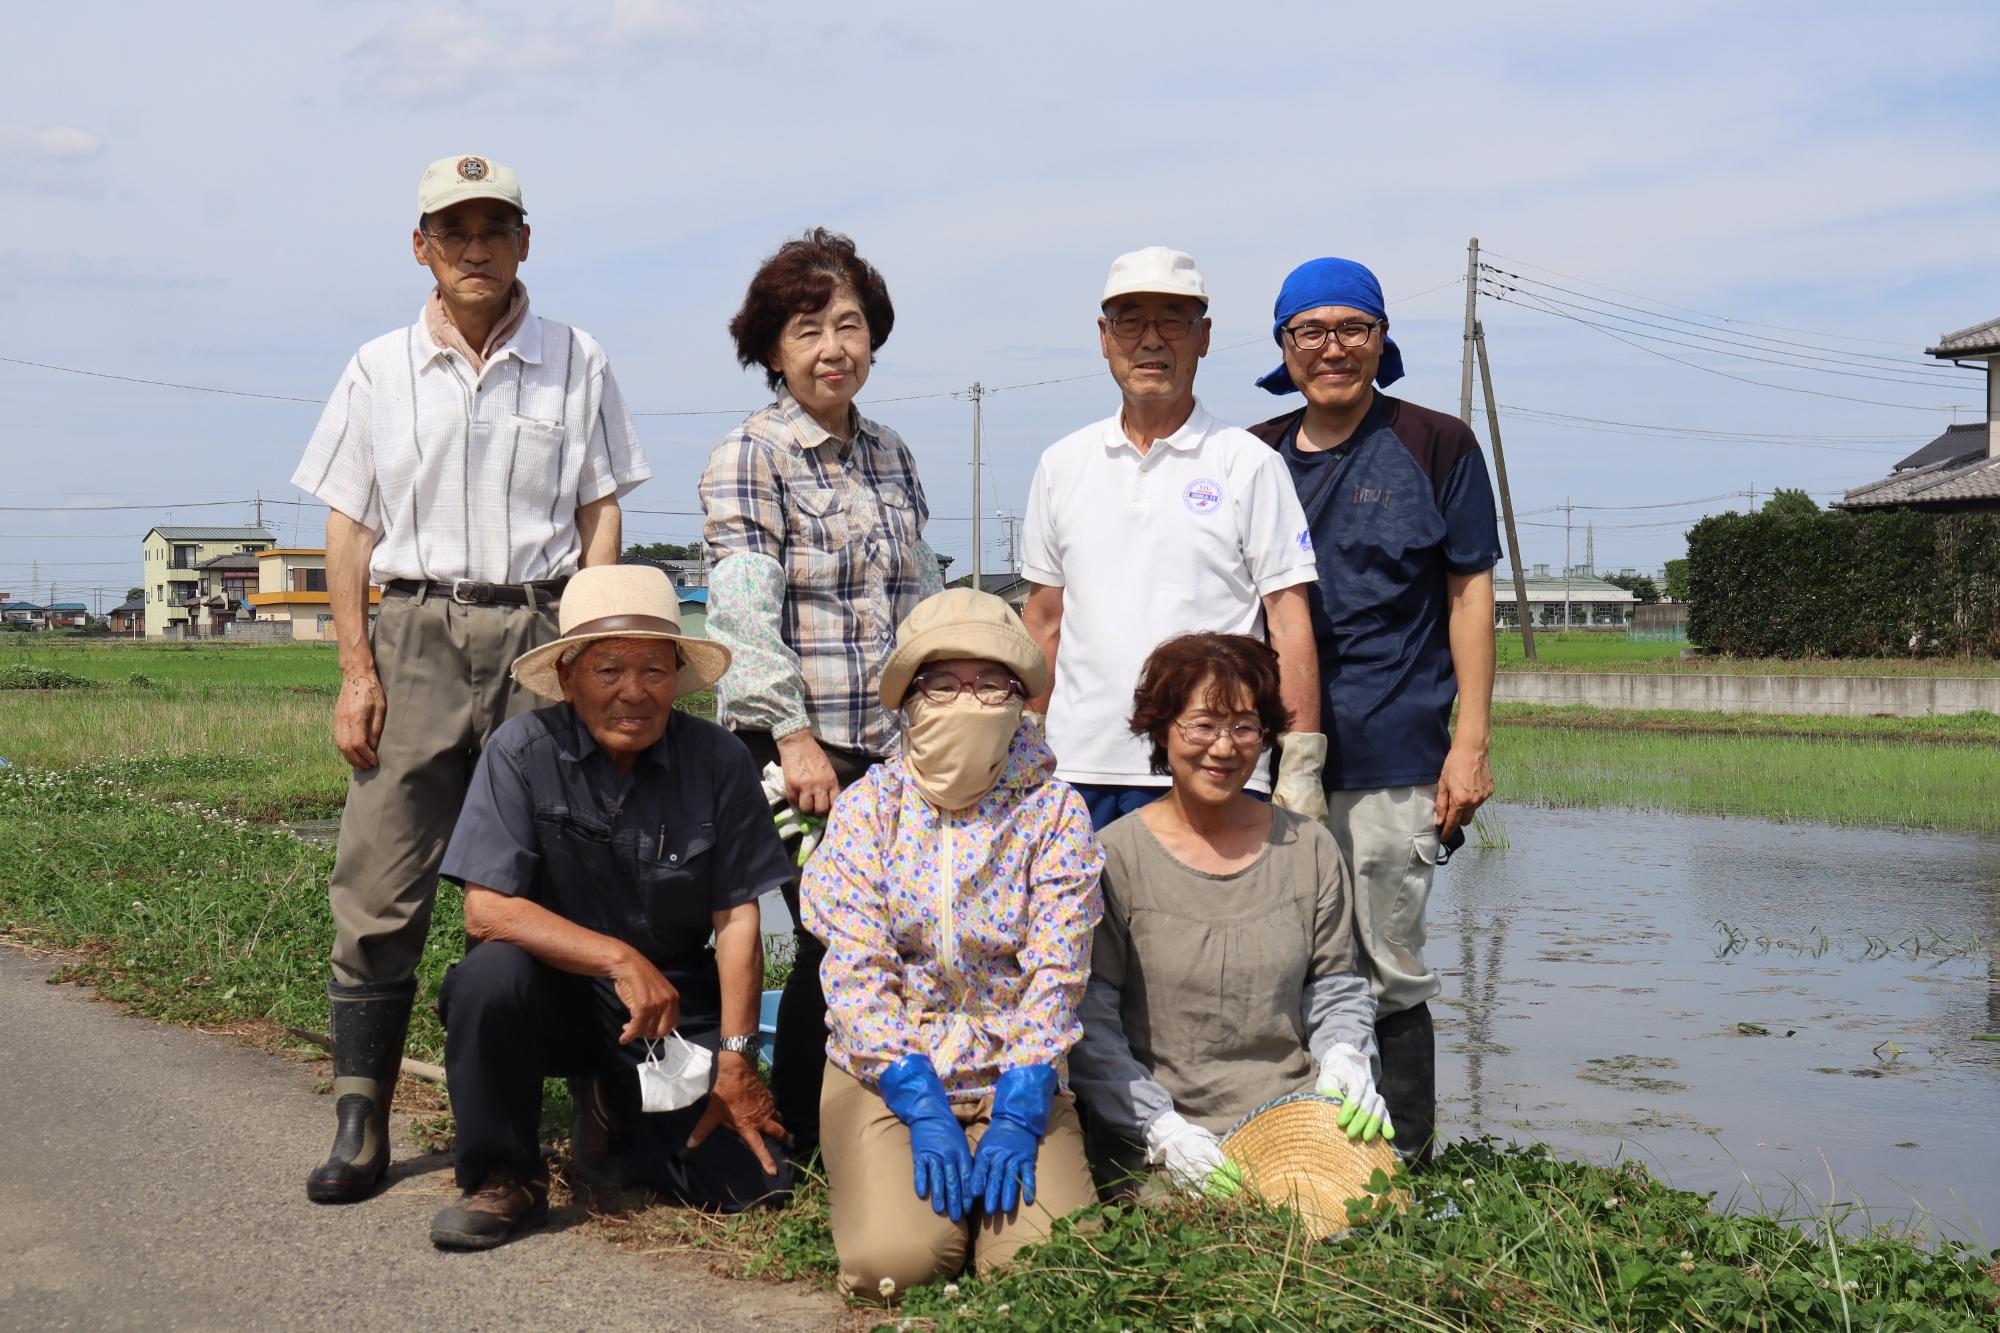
[465, 474]
[818, 555]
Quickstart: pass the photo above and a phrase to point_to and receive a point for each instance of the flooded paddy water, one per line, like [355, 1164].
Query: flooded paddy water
[1784, 1014]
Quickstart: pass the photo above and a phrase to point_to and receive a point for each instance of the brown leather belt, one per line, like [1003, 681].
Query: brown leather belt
[471, 592]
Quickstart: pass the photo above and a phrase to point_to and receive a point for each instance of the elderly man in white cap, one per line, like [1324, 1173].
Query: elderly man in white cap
[603, 842]
[471, 462]
[1158, 521]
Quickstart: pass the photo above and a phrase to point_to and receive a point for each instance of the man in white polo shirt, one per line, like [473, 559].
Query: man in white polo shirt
[1158, 521]
[471, 462]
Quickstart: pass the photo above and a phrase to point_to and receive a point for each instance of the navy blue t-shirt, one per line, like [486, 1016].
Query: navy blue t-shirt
[1393, 510]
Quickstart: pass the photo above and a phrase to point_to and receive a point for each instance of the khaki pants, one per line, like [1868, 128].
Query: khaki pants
[444, 674]
[1390, 839]
[881, 1229]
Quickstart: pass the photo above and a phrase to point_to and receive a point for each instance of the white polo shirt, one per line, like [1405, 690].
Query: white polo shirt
[1190, 536]
[466, 475]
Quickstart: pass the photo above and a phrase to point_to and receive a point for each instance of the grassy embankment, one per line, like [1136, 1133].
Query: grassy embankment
[135, 827]
[1587, 650]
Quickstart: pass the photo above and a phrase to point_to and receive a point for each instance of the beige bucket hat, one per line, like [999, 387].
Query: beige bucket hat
[962, 622]
[620, 602]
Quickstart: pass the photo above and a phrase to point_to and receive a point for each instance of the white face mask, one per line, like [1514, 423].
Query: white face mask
[675, 1076]
[957, 751]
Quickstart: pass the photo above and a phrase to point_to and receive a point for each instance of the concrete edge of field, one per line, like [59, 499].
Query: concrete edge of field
[1816, 696]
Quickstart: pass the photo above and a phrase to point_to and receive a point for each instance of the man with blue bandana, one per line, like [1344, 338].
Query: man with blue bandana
[1404, 535]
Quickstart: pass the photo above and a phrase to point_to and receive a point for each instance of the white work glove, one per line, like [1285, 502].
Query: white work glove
[789, 822]
[1301, 760]
[1345, 1074]
[1192, 1156]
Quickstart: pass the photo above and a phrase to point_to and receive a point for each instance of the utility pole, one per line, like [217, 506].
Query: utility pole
[1590, 547]
[1568, 510]
[1011, 525]
[977, 391]
[1506, 497]
[260, 509]
[1471, 328]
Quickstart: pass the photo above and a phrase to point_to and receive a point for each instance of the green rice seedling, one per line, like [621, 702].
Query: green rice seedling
[1489, 833]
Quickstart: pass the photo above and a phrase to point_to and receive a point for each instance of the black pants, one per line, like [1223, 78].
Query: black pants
[511, 1021]
[799, 1057]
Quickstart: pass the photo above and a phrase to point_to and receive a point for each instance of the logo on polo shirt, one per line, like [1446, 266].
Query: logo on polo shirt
[1305, 539]
[1201, 496]
[472, 168]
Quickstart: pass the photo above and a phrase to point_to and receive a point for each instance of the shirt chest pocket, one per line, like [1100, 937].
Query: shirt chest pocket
[899, 514]
[675, 874]
[587, 879]
[535, 435]
[819, 533]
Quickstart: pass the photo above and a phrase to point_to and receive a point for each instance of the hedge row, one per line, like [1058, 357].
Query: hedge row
[1897, 584]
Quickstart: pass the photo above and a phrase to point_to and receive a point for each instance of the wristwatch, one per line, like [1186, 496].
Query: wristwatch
[740, 1045]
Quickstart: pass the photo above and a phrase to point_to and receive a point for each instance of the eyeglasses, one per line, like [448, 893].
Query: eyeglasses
[1348, 333]
[451, 242]
[941, 687]
[1244, 734]
[1130, 327]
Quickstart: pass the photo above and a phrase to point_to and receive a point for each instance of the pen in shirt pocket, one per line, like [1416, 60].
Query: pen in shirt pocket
[659, 853]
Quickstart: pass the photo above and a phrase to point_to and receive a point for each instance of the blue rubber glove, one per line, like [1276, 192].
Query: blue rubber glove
[1003, 1170]
[941, 1160]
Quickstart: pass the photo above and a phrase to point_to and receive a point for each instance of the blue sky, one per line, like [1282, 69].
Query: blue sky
[222, 194]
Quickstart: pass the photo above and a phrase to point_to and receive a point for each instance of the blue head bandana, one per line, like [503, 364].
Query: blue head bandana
[1321, 282]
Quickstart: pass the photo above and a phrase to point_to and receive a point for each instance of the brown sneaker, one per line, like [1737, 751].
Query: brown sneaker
[489, 1215]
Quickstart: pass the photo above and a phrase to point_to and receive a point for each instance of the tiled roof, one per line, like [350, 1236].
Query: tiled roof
[239, 560]
[66, 606]
[214, 534]
[1969, 342]
[1969, 479]
[129, 604]
[1956, 442]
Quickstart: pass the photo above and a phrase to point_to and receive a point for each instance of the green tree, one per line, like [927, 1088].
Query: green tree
[1677, 580]
[132, 593]
[665, 550]
[1640, 586]
[1788, 503]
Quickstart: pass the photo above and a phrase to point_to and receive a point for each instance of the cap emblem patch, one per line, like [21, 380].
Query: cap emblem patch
[472, 168]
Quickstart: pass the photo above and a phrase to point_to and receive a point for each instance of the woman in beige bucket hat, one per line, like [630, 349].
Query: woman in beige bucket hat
[956, 892]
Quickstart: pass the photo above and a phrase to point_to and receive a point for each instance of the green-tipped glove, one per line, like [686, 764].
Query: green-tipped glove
[1345, 1073]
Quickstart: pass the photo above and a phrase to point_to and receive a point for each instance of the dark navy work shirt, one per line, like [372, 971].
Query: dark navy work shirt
[644, 859]
[1402, 503]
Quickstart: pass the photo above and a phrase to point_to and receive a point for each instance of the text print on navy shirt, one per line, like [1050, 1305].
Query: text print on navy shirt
[1403, 503]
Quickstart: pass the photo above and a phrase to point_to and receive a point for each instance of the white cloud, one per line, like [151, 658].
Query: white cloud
[58, 143]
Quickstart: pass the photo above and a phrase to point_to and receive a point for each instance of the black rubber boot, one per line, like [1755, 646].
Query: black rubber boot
[1409, 1080]
[368, 1027]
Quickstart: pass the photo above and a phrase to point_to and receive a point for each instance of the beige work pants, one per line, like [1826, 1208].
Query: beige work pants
[1390, 839]
[881, 1229]
[444, 671]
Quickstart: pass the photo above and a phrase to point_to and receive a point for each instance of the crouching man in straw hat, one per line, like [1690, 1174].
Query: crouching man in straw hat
[603, 840]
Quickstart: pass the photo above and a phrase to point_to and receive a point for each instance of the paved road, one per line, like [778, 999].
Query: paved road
[152, 1177]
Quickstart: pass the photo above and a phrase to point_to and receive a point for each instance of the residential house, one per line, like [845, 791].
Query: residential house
[291, 590]
[1586, 600]
[1008, 586]
[128, 617]
[23, 615]
[1959, 471]
[223, 596]
[694, 611]
[171, 570]
[66, 615]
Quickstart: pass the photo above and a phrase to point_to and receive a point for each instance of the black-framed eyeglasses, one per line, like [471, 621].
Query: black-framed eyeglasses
[452, 242]
[1131, 326]
[1245, 735]
[1348, 333]
[941, 687]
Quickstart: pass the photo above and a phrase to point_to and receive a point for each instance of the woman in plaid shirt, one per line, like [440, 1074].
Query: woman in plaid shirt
[813, 516]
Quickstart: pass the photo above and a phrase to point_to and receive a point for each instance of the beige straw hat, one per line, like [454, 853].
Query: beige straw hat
[962, 622]
[620, 602]
[1293, 1152]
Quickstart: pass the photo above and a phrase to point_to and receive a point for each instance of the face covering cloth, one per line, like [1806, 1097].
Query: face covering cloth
[957, 751]
[675, 1076]
[1324, 282]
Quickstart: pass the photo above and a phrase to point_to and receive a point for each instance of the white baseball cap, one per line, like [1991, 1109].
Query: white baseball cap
[1155, 269]
[453, 180]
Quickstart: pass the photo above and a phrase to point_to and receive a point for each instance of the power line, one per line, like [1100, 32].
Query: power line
[160, 384]
[91, 509]
[1727, 319]
[1710, 370]
[1905, 363]
[1847, 361]
[1643, 431]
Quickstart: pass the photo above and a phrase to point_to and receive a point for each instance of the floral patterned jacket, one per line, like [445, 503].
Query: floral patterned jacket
[963, 936]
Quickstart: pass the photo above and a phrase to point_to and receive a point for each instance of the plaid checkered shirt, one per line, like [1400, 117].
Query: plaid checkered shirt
[818, 553]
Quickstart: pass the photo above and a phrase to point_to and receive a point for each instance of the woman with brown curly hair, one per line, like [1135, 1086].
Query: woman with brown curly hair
[1224, 974]
[814, 518]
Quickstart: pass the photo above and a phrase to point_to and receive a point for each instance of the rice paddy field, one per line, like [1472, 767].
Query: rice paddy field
[1589, 650]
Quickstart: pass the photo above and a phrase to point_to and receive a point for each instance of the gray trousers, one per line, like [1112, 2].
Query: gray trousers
[444, 671]
[1390, 839]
